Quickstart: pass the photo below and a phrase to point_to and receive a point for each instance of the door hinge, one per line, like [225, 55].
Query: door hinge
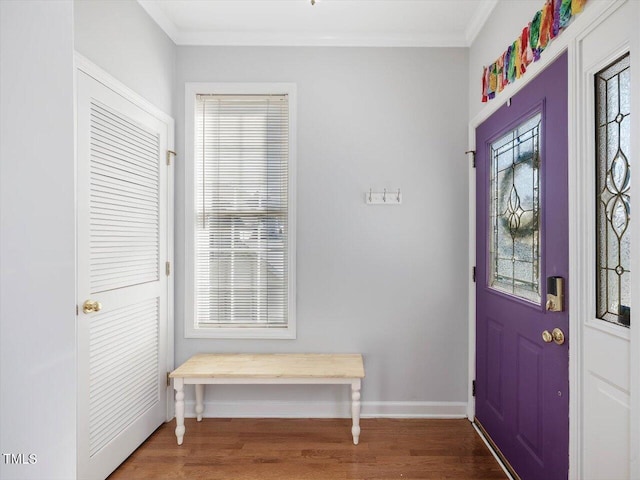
[473, 153]
[473, 274]
[168, 379]
[473, 388]
[167, 268]
[169, 153]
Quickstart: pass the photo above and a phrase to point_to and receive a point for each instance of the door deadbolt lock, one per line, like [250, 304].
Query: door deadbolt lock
[91, 306]
[555, 294]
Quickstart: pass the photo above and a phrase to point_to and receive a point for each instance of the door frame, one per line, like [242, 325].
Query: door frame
[83, 64]
[593, 14]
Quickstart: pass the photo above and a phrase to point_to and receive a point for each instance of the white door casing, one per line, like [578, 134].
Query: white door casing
[635, 259]
[124, 231]
[604, 389]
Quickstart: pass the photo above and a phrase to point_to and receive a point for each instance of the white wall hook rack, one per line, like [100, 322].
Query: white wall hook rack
[385, 197]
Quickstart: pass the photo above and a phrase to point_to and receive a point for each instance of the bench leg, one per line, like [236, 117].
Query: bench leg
[355, 411]
[178, 384]
[199, 401]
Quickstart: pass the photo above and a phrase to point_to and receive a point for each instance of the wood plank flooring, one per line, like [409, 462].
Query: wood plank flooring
[313, 449]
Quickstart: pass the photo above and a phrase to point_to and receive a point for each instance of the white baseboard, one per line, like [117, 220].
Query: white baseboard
[254, 409]
[413, 410]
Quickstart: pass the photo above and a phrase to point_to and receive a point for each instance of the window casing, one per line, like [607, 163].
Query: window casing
[613, 192]
[240, 232]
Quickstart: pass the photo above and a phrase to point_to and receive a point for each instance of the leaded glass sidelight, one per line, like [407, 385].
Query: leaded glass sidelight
[515, 211]
[613, 192]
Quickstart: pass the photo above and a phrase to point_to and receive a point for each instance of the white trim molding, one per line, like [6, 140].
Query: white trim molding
[471, 312]
[281, 39]
[85, 65]
[332, 409]
[635, 233]
[321, 38]
[581, 219]
[478, 21]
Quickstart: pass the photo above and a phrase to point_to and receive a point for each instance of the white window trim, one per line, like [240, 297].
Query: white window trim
[191, 90]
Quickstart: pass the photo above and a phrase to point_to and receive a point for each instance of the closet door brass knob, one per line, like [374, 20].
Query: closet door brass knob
[547, 337]
[558, 336]
[91, 306]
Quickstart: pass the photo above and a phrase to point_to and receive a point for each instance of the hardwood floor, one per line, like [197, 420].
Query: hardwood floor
[313, 449]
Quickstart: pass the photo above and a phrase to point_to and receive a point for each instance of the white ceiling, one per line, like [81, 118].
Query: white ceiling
[381, 23]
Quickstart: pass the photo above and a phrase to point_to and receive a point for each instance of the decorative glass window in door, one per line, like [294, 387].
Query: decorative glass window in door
[515, 211]
[613, 192]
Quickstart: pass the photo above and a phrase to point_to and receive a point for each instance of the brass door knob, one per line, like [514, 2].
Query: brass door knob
[91, 306]
[547, 336]
[558, 336]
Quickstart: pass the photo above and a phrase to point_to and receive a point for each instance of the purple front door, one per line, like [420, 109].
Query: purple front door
[522, 380]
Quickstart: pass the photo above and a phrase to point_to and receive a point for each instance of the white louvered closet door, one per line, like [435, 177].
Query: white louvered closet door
[122, 249]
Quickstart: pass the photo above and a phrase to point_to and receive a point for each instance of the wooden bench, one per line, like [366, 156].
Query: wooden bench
[285, 369]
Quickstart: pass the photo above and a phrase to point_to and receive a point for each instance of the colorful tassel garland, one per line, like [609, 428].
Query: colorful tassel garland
[527, 53]
[546, 24]
[534, 34]
[556, 18]
[493, 80]
[565, 13]
[505, 67]
[518, 57]
[500, 73]
[577, 6]
[511, 71]
[484, 85]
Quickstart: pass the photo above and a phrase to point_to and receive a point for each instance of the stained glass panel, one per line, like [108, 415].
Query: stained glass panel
[515, 211]
[613, 192]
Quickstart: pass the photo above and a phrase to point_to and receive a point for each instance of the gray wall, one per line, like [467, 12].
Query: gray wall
[37, 239]
[37, 207]
[121, 38]
[390, 282]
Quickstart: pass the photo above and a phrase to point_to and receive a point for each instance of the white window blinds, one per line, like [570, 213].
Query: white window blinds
[242, 212]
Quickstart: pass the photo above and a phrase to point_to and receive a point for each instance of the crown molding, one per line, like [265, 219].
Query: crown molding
[165, 23]
[295, 39]
[310, 39]
[478, 21]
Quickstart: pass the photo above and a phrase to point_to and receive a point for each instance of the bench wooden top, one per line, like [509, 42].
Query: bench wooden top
[290, 365]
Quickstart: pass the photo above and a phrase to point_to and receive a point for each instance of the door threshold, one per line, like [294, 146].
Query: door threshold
[495, 451]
